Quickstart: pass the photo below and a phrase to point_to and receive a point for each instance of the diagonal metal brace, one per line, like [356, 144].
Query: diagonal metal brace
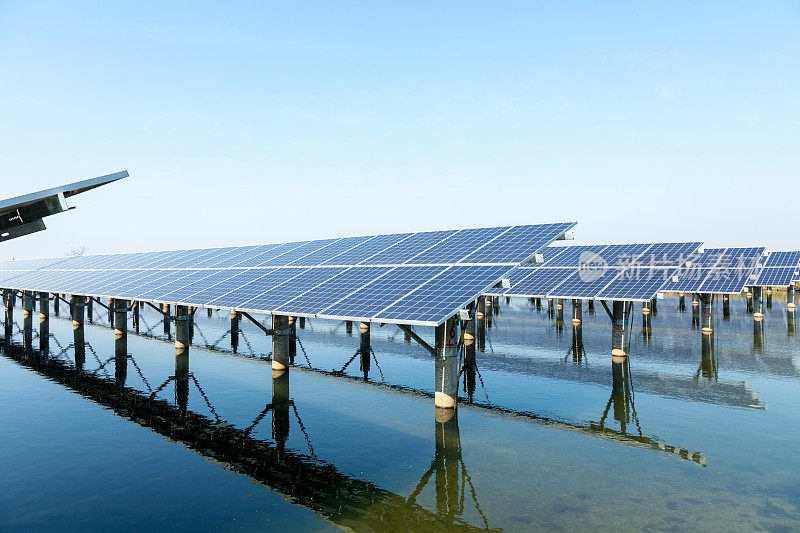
[259, 324]
[417, 338]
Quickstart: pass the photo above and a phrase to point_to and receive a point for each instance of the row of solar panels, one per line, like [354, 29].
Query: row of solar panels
[413, 278]
[508, 245]
[638, 272]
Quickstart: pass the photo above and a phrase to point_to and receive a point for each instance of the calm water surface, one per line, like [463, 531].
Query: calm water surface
[700, 437]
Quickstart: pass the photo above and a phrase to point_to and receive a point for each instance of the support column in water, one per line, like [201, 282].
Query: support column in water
[577, 342]
[708, 362]
[654, 306]
[619, 348]
[348, 327]
[758, 304]
[167, 319]
[44, 323]
[280, 343]
[27, 319]
[120, 313]
[726, 306]
[292, 339]
[749, 295]
[790, 298]
[577, 311]
[76, 306]
[769, 297]
[182, 344]
[8, 320]
[480, 323]
[707, 314]
[620, 391]
[446, 365]
[90, 309]
[135, 309]
[235, 319]
[365, 349]
[120, 360]
[647, 319]
[470, 365]
[591, 307]
[681, 302]
[695, 312]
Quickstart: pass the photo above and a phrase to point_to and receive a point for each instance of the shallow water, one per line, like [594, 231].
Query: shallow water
[697, 437]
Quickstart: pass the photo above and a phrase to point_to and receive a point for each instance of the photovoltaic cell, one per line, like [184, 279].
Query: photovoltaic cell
[584, 283]
[776, 277]
[455, 288]
[291, 256]
[571, 255]
[636, 284]
[457, 246]
[726, 281]
[328, 252]
[271, 299]
[333, 290]
[240, 279]
[381, 293]
[367, 249]
[540, 282]
[262, 284]
[407, 248]
[783, 259]
[518, 244]
[213, 277]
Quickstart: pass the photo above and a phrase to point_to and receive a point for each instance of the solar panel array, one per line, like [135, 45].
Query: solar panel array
[626, 272]
[410, 278]
[781, 269]
[718, 271]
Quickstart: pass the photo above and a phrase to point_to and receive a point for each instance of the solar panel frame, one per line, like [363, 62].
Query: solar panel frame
[776, 276]
[783, 259]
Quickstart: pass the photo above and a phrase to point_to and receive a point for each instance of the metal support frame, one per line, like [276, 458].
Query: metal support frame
[417, 338]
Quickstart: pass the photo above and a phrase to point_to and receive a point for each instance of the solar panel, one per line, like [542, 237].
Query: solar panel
[539, 282]
[584, 283]
[636, 284]
[776, 276]
[418, 278]
[783, 259]
[726, 281]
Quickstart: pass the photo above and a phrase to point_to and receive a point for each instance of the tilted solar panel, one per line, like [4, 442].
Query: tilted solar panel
[783, 259]
[418, 278]
[776, 276]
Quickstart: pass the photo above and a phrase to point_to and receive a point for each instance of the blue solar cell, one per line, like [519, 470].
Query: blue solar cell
[108, 286]
[383, 292]
[623, 254]
[200, 255]
[689, 280]
[212, 277]
[274, 297]
[261, 254]
[292, 255]
[572, 256]
[518, 244]
[457, 246]
[539, 282]
[178, 257]
[708, 258]
[155, 288]
[367, 249]
[239, 279]
[407, 248]
[740, 258]
[636, 283]
[726, 281]
[137, 286]
[783, 259]
[248, 291]
[584, 283]
[514, 279]
[216, 260]
[668, 253]
[454, 289]
[328, 252]
[332, 291]
[776, 277]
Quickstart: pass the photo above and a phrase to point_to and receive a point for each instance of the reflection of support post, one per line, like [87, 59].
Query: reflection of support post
[726, 307]
[235, 319]
[758, 336]
[446, 365]
[619, 348]
[577, 342]
[468, 339]
[707, 314]
[167, 319]
[758, 304]
[681, 302]
[56, 301]
[654, 306]
[708, 363]
[538, 304]
[120, 360]
[76, 307]
[620, 391]
[27, 319]
[280, 409]
[447, 462]
[365, 350]
[44, 323]
[135, 310]
[182, 343]
[111, 306]
[496, 304]
[489, 310]
[480, 323]
[791, 319]
[293, 339]
[280, 343]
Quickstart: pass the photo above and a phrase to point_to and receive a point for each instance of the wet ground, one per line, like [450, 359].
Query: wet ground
[686, 434]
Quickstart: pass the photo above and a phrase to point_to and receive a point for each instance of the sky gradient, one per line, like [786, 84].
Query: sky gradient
[251, 123]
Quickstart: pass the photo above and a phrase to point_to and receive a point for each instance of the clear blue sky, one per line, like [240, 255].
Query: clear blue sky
[247, 123]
